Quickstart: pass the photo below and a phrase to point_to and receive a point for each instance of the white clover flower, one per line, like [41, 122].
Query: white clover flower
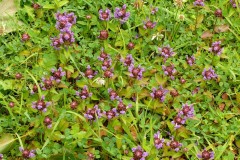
[100, 81]
[158, 36]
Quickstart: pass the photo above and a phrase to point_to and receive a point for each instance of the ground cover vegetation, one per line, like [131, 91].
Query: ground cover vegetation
[121, 79]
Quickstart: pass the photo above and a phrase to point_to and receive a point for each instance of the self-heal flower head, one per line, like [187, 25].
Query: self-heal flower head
[56, 43]
[190, 60]
[48, 122]
[216, 48]
[187, 111]
[26, 154]
[166, 52]
[169, 71]
[34, 89]
[209, 74]
[57, 74]
[206, 155]
[122, 14]
[139, 153]
[113, 94]
[89, 72]
[67, 38]
[159, 93]
[41, 105]
[149, 24]
[104, 15]
[198, 3]
[84, 93]
[233, 2]
[154, 10]
[158, 141]
[128, 61]
[174, 145]
[122, 108]
[108, 73]
[106, 64]
[136, 72]
[63, 25]
[93, 113]
[178, 121]
[103, 55]
[111, 113]
[69, 17]
[47, 83]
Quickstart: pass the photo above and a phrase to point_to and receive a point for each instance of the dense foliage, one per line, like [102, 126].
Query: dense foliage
[122, 79]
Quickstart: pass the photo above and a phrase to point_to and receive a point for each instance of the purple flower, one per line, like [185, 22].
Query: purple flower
[103, 55]
[56, 43]
[187, 111]
[149, 24]
[105, 15]
[84, 93]
[195, 91]
[90, 73]
[233, 2]
[57, 74]
[159, 93]
[108, 73]
[122, 108]
[41, 105]
[154, 10]
[178, 121]
[139, 153]
[128, 61]
[34, 89]
[1, 156]
[206, 155]
[169, 71]
[216, 48]
[209, 74]
[174, 145]
[166, 52]
[136, 72]
[48, 122]
[27, 153]
[67, 37]
[47, 83]
[69, 17]
[122, 14]
[93, 113]
[113, 94]
[198, 3]
[111, 113]
[158, 142]
[190, 60]
[106, 64]
[63, 25]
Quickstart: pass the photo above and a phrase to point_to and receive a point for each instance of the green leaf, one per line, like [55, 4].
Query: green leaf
[6, 143]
